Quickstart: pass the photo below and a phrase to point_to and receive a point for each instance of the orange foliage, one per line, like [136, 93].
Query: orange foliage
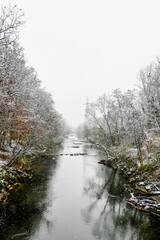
[16, 166]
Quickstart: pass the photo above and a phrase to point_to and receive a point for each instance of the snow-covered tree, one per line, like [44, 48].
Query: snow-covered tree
[29, 120]
[150, 97]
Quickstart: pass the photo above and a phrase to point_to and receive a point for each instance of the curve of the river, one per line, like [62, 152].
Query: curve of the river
[77, 199]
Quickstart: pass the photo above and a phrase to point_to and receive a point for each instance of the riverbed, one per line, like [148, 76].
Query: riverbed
[75, 198]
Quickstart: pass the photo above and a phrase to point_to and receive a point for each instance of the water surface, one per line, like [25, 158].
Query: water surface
[75, 198]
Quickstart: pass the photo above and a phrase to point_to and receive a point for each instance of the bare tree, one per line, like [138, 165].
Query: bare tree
[11, 19]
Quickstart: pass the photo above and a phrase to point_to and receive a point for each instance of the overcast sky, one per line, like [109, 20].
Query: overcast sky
[84, 48]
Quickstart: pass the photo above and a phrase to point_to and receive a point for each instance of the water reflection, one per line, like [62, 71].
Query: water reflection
[23, 214]
[107, 212]
[75, 198]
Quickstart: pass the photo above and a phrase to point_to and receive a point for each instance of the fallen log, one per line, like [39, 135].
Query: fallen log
[145, 203]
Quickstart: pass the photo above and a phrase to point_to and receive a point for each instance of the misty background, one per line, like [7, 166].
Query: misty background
[84, 48]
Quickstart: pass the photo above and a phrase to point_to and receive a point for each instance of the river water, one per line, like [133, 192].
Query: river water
[75, 198]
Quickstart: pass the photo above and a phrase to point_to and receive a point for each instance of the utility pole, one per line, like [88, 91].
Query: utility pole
[86, 128]
[86, 110]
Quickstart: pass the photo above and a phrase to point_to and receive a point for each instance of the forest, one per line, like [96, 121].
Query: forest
[29, 123]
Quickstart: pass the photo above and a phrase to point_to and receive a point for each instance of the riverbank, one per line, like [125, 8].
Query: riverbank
[144, 178]
[14, 178]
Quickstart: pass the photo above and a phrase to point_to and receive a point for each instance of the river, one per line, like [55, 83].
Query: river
[75, 198]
